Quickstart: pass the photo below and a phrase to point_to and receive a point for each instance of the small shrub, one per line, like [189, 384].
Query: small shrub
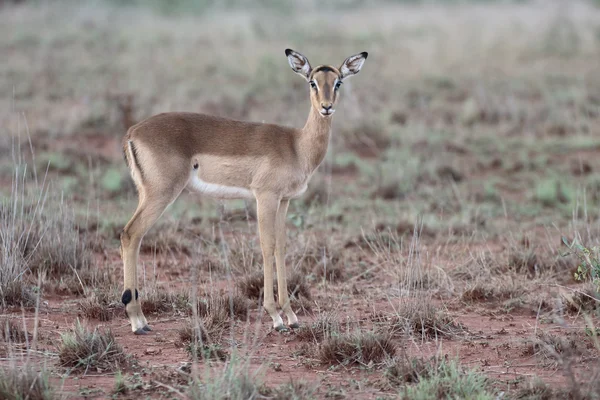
[364, 348]
[81, 349]
[26, 383]
[589, 261]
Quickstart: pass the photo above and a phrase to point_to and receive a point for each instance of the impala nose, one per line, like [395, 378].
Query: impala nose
[326, 106]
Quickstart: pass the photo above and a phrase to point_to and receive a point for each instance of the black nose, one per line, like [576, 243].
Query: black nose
[326, 107]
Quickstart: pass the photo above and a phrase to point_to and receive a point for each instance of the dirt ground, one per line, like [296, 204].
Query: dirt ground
[460, 158]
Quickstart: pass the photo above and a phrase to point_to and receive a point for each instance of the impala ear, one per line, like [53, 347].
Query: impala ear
[299, 63]
[353, 64]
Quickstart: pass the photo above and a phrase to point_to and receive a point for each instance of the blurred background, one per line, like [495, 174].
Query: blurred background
[469, 81]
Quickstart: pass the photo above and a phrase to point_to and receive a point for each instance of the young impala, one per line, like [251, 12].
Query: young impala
[231, 159]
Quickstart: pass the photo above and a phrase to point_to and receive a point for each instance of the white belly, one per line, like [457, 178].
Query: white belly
[218, 191]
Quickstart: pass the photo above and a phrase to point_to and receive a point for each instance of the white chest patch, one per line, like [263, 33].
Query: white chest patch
[218, 191]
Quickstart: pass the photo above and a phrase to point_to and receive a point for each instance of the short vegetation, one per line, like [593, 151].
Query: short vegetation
[83, 350]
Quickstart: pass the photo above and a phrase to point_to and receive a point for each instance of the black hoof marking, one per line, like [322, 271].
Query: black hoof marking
[147, 328]
[295, 325]
[281, 328]
[126, 298]
[141, 331]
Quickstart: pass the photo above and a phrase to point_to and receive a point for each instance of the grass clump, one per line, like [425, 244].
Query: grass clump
[419, 318]
[204, 338]
[60, 250]
[16, 238]
[325, 326]
[11, 331]
[552, 350]
[364, 348]
[449, 380]
[252, 286]
[293, 390]
[224, 307]
[399, 371]
[98, 305]
[157, 301]
[26, 383]
[81, 350]
[231, 382]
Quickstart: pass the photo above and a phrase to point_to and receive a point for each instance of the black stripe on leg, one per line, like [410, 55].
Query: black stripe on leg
[136, 294]
[126, 298]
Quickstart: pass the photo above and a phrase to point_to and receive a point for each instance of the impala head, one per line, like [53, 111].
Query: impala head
[325, 81]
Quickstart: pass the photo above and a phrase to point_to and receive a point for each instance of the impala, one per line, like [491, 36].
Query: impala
[230, 159]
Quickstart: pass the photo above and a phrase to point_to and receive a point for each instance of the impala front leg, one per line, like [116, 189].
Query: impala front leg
[267, 205]
[282, 287]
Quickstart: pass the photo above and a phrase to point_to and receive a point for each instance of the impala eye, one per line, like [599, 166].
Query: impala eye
[313, 84]
[337, 85]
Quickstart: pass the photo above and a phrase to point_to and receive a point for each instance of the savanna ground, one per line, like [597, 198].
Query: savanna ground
[426, 258]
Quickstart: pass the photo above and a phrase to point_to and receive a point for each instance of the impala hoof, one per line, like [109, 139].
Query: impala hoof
[141, 331]
[295, 325]
[147, 328]
[281, 328]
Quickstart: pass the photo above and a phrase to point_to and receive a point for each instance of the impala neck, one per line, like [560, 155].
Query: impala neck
[314, 139]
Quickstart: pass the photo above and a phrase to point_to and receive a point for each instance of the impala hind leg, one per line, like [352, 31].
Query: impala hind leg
[149, 210]
[267, 205]
[282, 287]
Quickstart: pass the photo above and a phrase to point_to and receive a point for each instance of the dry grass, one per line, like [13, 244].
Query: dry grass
[232, 381]
[83, 350]
[224, 307]
[25, 383]
[101, 305]
[552, 350]
[362, 348]
[204, 339]
[160, 300]
[584, 300]
[494, 290]
[293, 390]
[422, 319]
[402, 370]
[325, 326]
[11, 330]
[252, 286]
